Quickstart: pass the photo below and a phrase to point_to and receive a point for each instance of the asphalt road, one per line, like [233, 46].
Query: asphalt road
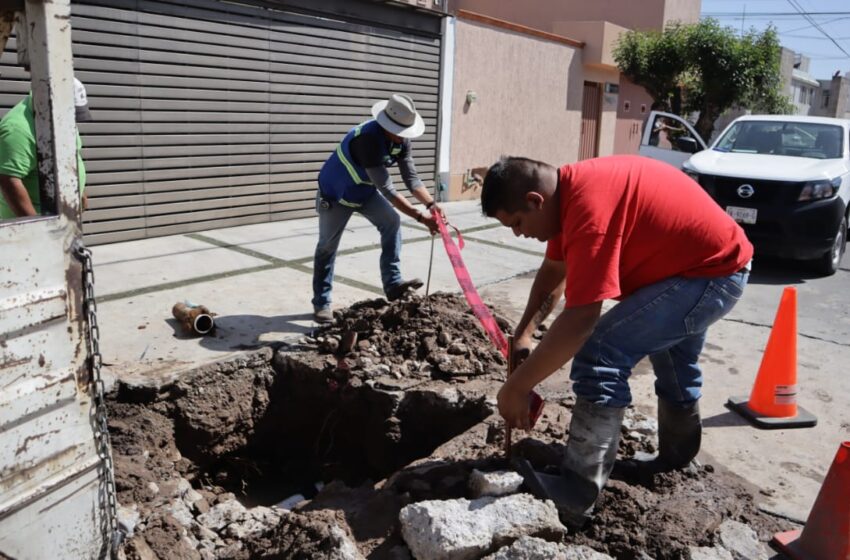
[823, 302]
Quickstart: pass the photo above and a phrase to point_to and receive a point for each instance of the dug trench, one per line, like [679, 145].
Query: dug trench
[311, 451]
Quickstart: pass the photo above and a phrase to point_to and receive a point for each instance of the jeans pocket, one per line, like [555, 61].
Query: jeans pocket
[719, 297]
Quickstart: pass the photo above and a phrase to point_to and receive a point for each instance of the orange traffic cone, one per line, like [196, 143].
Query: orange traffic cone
[826, 535]
[773, 400]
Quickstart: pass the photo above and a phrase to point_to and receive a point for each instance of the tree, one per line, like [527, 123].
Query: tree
[705, 68]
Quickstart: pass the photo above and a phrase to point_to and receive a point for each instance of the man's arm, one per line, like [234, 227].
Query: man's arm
[411, 179]
[16, 196]
[380, 177]
[545, 292]
[569, 331]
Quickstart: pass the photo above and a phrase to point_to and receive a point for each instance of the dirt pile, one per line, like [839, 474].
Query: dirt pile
[207, 466]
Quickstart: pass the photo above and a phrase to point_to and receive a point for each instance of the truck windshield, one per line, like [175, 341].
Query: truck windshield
[798, 139]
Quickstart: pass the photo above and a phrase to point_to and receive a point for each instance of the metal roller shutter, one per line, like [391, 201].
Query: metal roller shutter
[211, 114]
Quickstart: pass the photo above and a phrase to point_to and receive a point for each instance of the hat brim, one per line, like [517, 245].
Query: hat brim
[414, 131]
[82, 113]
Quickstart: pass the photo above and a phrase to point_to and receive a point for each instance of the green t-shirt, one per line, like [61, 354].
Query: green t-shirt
[17, 153]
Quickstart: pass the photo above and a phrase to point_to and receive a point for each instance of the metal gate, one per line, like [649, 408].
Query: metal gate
[591, 107]
[51, 476]
[211, 114]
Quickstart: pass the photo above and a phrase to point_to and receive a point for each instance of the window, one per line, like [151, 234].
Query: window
[799, 139]
[825, 98]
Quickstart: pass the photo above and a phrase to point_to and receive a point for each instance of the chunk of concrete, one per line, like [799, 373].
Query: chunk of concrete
[128, 518]
[222, 514]
[532, 548]
[463, 529]
[742, 541]
[709, 553]
[497, 483]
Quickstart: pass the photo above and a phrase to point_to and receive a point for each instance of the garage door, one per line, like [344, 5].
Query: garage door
[211, 114]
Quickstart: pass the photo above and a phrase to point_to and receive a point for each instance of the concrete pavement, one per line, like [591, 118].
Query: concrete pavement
[257, 278]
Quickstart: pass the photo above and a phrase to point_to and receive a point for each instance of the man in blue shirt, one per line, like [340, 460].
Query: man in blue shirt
[355, 178]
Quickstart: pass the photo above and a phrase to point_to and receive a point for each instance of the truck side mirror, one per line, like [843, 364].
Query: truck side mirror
[687, 144]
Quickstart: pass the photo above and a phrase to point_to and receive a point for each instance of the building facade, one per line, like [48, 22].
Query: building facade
[538, 79]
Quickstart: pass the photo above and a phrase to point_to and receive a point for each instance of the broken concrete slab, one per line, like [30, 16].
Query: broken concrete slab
[709, 553]
[742, 541]
[462, 529]
[532, 548]
[496, 483]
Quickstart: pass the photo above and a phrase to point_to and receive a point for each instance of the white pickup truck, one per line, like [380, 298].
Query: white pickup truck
[785, 179]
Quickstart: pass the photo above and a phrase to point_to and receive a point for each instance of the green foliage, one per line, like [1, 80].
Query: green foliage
[708, 67]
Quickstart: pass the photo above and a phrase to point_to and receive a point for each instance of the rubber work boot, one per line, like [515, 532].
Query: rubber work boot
[679, 434]
[679, 440]
[323, 315]
[588, 460]
[403, 288]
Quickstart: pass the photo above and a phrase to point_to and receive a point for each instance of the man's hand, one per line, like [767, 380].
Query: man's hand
[522, 349]
[513, 406]
[431, 223]
[434, 206]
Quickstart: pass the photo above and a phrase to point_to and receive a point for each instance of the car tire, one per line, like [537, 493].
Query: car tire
[831, 261]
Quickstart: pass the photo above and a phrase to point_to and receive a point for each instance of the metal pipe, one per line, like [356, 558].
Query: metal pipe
[193, 318]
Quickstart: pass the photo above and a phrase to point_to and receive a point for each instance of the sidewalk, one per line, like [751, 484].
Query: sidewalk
[257, 278]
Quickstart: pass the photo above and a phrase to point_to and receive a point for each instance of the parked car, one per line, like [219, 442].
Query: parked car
[785, 179]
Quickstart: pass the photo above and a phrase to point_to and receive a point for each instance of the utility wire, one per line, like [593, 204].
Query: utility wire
[809, 26]
[796, 5]
[798, 13]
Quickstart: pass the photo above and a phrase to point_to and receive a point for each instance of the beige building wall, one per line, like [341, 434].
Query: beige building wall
[540, 14]
[528, 99]
[633, 108]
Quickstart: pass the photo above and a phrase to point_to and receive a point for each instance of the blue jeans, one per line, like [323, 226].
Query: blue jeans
[332, 221]
[666, 321]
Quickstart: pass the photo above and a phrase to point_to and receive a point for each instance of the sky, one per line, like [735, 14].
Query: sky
[795, 31]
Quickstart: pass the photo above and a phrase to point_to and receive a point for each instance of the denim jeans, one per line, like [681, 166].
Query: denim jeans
[666, 321]
[332, 221]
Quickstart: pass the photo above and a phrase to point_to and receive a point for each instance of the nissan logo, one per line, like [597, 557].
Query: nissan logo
[746, 191]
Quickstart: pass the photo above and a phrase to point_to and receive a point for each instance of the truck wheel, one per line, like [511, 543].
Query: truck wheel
[831, 261]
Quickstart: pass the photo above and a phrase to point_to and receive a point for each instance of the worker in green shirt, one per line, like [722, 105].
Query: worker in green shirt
[18, 160]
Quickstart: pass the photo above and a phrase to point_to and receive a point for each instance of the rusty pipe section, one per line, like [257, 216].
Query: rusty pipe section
[196, 319]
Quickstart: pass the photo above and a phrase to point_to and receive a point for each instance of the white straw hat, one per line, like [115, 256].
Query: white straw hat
[398, 116]
[81, 102]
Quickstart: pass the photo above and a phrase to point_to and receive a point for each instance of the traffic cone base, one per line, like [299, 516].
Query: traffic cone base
[803, 419]
[826, 534]
[788, 544]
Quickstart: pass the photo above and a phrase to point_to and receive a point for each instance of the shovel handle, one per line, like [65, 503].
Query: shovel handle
[508, 443]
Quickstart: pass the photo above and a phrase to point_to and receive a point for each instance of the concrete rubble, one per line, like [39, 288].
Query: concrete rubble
[463, 529]
[532, 548]
[498, 483]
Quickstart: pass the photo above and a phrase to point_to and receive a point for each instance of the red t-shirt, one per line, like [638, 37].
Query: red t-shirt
[629, 221]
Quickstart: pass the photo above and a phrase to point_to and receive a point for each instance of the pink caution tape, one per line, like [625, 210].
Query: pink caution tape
[462, 274]
[478, 308]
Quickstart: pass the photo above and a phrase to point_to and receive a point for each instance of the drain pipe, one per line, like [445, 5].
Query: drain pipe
[193, 318]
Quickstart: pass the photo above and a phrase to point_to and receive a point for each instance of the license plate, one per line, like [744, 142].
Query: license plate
[742, 215]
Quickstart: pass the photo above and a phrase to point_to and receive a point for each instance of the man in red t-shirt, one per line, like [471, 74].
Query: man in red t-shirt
[641, 232]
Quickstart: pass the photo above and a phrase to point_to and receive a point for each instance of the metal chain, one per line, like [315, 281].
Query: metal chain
[108, 495]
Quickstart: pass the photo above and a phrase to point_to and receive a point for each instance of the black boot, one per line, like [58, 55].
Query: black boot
[401, 289]
[679, 434]
[589, 458]
[679, 440]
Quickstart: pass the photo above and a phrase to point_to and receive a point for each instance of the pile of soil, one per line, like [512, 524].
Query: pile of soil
[437, 337]
[407, 415]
